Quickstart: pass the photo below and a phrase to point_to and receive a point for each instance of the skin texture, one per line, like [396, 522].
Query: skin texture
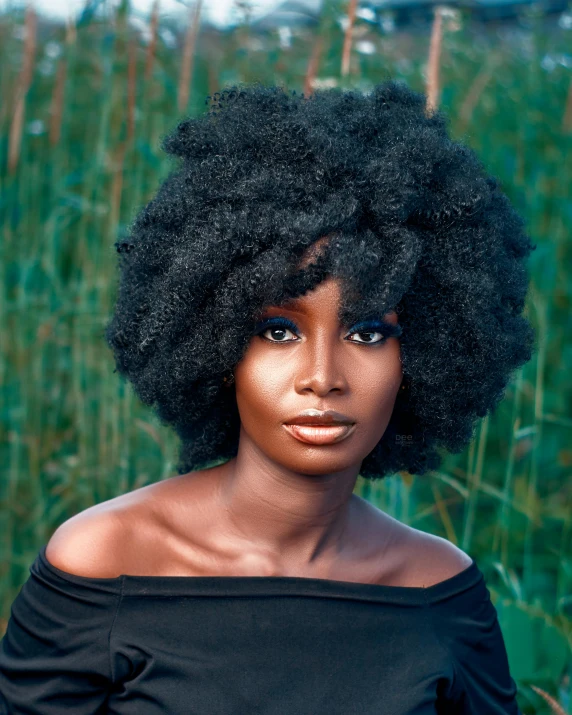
[280, 507]
[293, 497]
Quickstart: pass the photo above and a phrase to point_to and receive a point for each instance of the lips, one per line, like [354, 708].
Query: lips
[311, 434]
[320, 426]
[312, 416]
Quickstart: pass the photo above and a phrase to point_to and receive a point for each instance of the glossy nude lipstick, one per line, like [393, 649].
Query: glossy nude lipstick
[320, 426]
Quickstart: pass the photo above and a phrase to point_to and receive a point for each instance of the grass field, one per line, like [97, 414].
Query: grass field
[83, 110]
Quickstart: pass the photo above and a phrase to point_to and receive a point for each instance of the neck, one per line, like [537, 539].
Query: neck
[281, 517]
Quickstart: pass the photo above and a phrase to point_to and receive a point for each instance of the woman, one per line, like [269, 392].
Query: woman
[325, 287]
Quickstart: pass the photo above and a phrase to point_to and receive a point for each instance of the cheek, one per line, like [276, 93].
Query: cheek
[376, 385]
[377, 378]
[260, 383]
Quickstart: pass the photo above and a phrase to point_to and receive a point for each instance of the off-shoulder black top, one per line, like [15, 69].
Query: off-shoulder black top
[238, 645]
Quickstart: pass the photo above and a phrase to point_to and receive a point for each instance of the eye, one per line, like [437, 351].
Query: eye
[370, 330]
[369, 333]
[278, 328]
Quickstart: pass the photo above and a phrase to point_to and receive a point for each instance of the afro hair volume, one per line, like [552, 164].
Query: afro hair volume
[417, 226]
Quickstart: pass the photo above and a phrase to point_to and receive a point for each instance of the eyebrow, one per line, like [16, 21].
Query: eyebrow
[381, 321]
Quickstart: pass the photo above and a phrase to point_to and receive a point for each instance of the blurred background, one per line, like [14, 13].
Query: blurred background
[87, 91]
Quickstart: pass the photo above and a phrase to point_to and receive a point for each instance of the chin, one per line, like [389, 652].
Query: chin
[317, 461]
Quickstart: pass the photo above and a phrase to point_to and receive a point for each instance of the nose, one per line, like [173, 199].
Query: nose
[322, 368]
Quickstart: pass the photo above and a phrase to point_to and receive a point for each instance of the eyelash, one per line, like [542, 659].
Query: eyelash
[388, 330]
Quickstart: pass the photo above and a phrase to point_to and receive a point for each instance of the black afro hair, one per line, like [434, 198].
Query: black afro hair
[416, 225]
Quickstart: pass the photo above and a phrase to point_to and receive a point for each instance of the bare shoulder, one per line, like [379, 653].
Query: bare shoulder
[432, 559]
[90, 543]
[129, 534]
[404, 556]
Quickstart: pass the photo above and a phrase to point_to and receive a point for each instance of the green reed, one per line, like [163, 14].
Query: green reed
[96, 99]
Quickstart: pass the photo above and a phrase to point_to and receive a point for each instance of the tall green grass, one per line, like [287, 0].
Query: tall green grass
[82, 113]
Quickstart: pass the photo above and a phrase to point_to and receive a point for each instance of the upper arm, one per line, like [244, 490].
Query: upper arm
[467, 628]
[55, 655]
[88, 544]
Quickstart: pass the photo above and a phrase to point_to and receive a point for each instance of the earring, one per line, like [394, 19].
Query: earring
[228, 380]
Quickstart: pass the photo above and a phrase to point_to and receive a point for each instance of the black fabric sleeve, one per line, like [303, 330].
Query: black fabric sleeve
[466, 625]
[54, 656]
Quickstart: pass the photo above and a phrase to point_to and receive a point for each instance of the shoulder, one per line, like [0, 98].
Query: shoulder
[129, 534]
[409, 557]
[432, 559]
[422, 559]
[91, 543]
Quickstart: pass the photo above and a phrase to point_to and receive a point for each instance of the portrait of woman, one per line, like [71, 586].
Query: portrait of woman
[323, 287]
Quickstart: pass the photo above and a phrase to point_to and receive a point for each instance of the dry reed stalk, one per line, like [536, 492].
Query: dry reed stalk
[150, 57]
[5, 106]
[436, 42]
[188, 57]
[313, 64]
[57, 103]
[15, 136]
[131, 87]
[346, 52]
[71, 34]
[556, 708]
[475, 91]
[31, 25]
[117, 186]
[567, 118]
[212, 73]
[23, 84]
[441, 507]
